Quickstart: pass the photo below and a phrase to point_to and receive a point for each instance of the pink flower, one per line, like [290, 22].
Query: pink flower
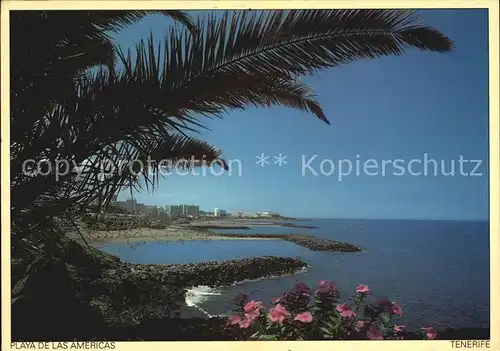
[390, 306]
[253, 308]
[302, 288]
[373, 333]
[345, 311]
[396, 309]
[304, 317]
[326, 287]
[277, 299]
[430, 332]
[363, 289]
[251, 316]
[246, 322]
[278, 314]
[359, 325]
[399, 328]
[233, 320]
[253, 305]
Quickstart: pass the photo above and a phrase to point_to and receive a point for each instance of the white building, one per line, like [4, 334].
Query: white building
[219, 213]
[176, 211]
[269, 214]
[173, 211]
[130, 205]
[190, 210]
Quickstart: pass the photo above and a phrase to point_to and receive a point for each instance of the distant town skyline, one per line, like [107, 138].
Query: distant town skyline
[131, 204]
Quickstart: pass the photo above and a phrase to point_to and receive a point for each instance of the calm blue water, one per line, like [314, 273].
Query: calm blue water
[438, 271]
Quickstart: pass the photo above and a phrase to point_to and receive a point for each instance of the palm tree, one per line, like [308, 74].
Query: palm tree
[47, 66]
[129, 106]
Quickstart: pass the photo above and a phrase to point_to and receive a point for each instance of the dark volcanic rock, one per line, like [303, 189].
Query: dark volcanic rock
[224, 273]
[457, 334]
[311, 242]
[293, 225]
[218, 227]
[45, 302]
[77, 287]
[192, 329]
[216, 329]
[85, 292]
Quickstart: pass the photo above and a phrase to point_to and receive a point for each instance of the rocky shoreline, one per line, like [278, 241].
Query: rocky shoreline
[82, 287]
[78, 293]
[293, 225]
[245, 225]
[218, 227]
[180, 234]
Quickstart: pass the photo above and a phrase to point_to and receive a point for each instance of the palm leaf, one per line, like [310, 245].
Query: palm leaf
[255, 59]
[145, 109]
[44, 67]
[151, 79]
[112, 20]
[149, 159]
[302, 41]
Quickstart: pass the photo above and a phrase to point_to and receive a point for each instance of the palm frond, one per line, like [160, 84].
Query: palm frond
[112, 20]
[243, 59]
[296, 42]
[303, 41]
[127, 163]
[78, 132]
[49, 60]
[150, 80]
[144, 111]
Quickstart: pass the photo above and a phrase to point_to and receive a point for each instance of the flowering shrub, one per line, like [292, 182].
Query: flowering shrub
[302, 314]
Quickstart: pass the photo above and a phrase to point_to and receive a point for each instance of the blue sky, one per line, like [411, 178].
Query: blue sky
[382, 109]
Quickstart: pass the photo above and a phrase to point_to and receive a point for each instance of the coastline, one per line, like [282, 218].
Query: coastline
[138, 302]
[234, 223]
[171, 233]
[178, 233]
[102, 292]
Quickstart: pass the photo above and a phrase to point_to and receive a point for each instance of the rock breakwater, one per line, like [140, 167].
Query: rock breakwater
[293, 225]
[225, 273]
[218, 227]
[311, 242]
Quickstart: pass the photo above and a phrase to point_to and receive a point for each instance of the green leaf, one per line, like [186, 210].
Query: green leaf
[267, 337]
[334, 318]
[254, 335]
[325, 330]
[385, 317]
[331, 325]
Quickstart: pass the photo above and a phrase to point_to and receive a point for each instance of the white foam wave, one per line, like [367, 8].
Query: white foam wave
[199, 294]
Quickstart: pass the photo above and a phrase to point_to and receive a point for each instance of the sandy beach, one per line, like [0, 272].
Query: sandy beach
[178, 233]
[172, 233]
[195, 230]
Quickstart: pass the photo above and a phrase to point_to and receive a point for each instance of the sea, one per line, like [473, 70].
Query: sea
[437, 271]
